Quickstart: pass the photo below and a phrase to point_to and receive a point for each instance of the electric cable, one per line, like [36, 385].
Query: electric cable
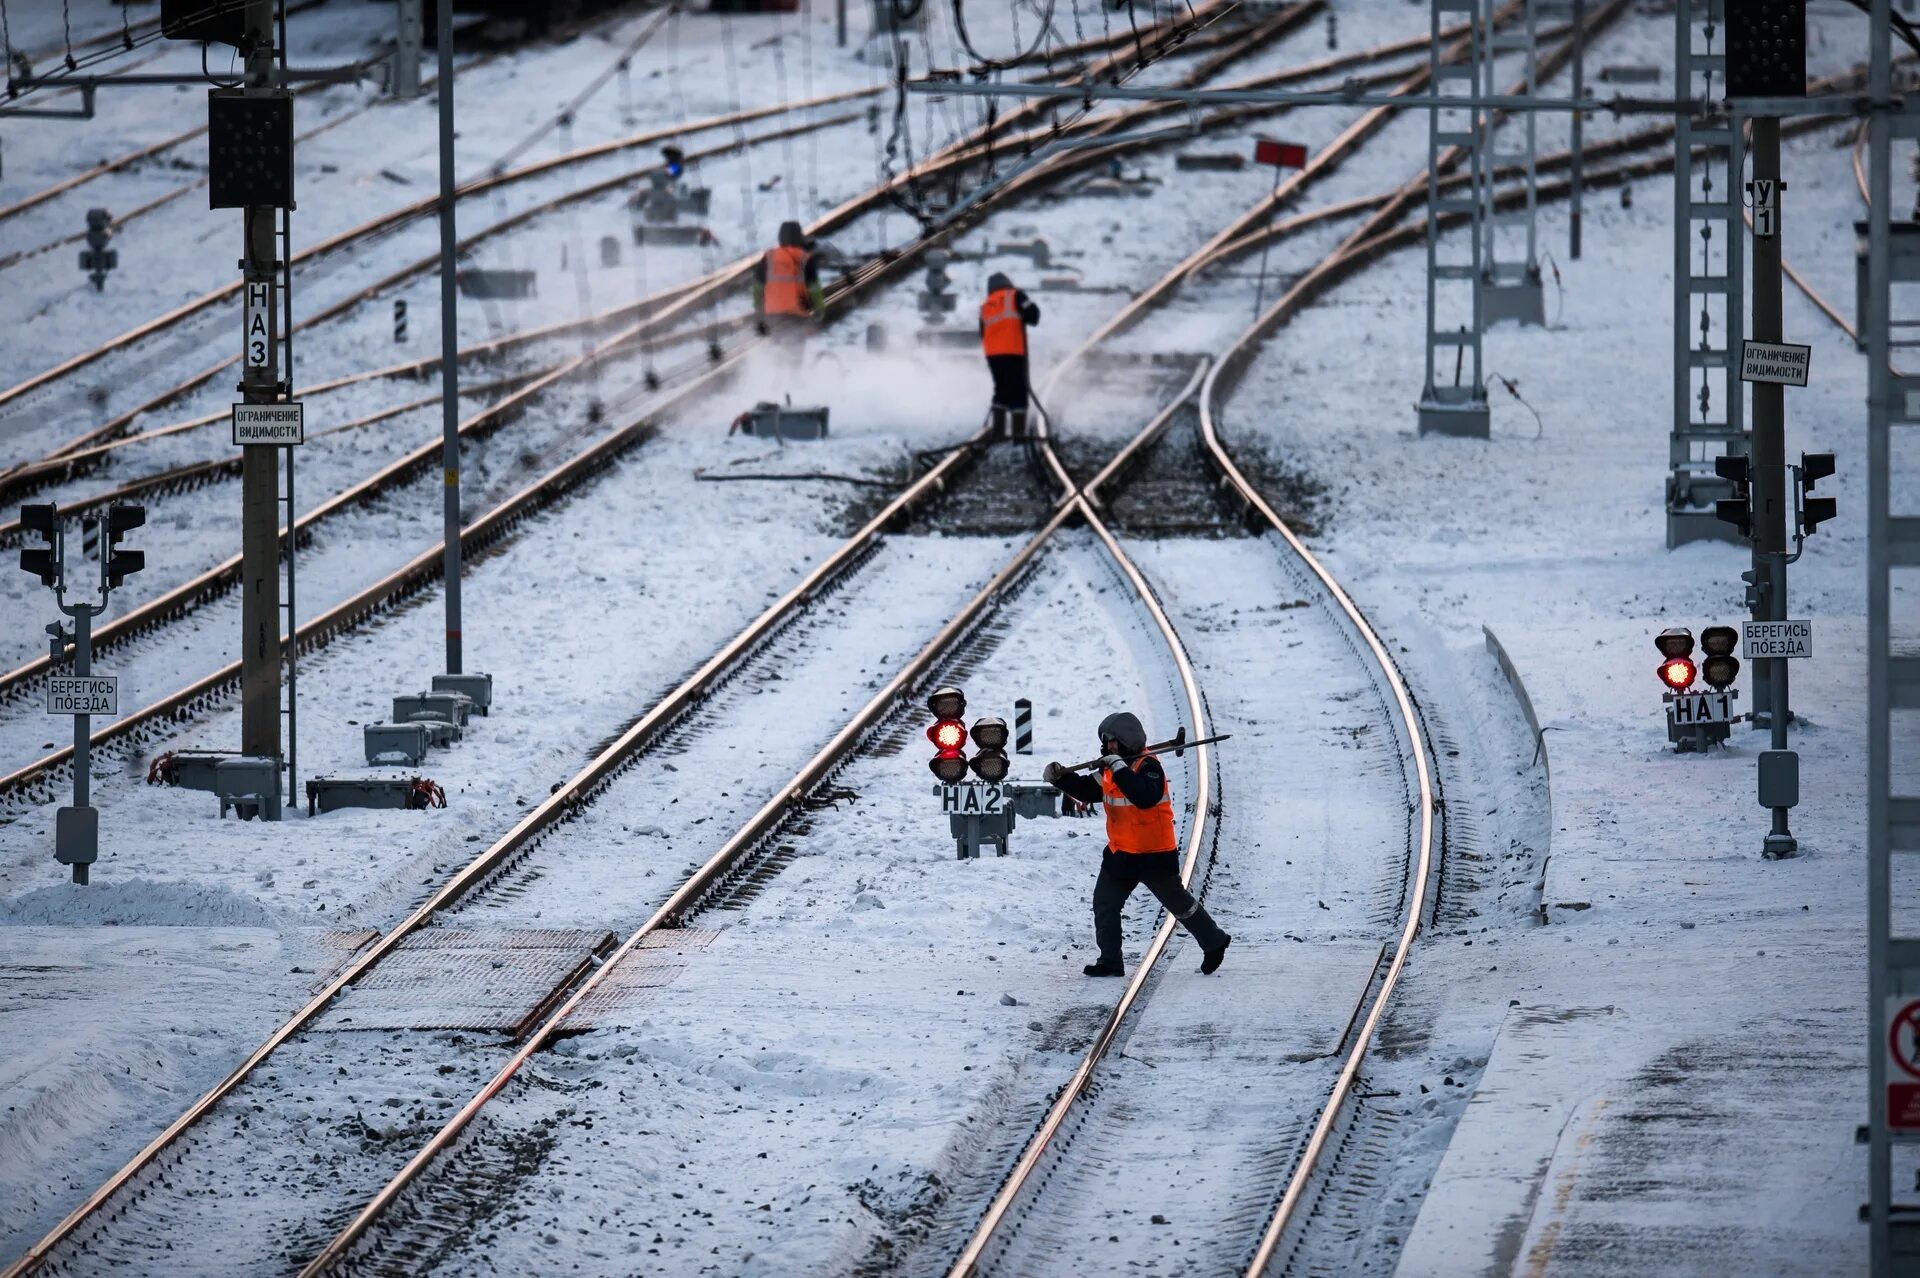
[786, 141]
[1513, 388]
[991, 64]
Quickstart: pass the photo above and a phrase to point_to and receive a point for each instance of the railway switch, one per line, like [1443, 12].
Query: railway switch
[1698, 717]
[96, 259]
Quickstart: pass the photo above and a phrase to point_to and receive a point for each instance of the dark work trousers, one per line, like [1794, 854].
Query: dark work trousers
[1010, 392]
[1120, 873]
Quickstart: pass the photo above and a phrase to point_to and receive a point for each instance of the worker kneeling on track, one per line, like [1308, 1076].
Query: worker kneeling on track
[786, 285]
[1141, 844]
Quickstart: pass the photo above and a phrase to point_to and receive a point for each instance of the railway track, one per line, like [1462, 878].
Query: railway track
[695, 688]
[1160, 38]
[944, 164]
[353, 1243]
[184, 599]
[571, 799]
[750, 837]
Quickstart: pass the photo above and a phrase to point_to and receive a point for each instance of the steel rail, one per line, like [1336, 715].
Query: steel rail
[425, 206]
[167, 197]
[395, 218]
[567, 798]
[221, 577]
[966, 1264]
[1358, 247]
[23, 478]
[738, 848]
[1220, 380]
[13, 482]
[199, 474]
[548, 808]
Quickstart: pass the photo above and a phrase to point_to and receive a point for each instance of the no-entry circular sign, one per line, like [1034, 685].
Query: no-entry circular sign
[1903, 1038]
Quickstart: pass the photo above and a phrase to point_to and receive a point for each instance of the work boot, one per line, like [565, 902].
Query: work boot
[1105, 969]
[1210, 959]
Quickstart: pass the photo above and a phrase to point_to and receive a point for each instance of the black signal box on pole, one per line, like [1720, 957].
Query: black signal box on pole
[1767, 49]
[222, 21]
[249, 150]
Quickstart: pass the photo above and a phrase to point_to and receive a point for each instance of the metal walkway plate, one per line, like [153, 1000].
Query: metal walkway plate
[497, 980]
[635, 984]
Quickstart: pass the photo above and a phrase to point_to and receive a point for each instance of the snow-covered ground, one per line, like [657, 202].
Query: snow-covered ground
[1664, 1077]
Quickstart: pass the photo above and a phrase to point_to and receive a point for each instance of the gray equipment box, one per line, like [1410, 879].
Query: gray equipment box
[439, 731]
[783, 422]
[493, 282]
[250, 785]
[477, 688]
[395, 743]
[447, 707]
[667, 234]
[330, 794]
[189, 769]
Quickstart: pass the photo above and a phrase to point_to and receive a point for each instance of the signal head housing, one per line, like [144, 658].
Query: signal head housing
[1675, 641]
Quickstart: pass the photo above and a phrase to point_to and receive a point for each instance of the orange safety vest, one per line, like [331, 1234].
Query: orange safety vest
[1002, 331]
[1132, 829]
[786, 288]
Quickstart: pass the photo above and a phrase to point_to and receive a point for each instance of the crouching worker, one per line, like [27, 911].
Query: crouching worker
[1141, 844]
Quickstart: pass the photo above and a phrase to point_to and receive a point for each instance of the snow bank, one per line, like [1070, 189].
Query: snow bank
[140, 902]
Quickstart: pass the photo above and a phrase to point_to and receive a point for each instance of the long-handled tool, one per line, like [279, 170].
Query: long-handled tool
[1177, 743]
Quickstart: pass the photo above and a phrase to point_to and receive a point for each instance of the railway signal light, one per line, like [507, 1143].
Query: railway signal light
[122, 564]
[948, 734]
[990, 761]
[1815, 511]
[1720, 667]
[1767, 49]
[1676, 670]
[41, 520]
[97, 259]
[1737, 509]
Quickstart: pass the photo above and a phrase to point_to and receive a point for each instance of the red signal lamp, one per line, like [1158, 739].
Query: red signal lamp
[949, 737]
[1678, 673]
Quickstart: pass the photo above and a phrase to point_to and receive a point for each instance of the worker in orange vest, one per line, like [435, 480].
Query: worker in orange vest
[1141, 844]
[1004, 319]
[786, 281]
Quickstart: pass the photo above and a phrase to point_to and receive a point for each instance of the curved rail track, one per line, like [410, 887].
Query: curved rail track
[190, 595]
[738, 850]
[555, 808]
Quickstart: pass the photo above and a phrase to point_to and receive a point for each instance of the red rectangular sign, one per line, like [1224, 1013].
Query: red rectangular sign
[1903, 1107]
[1282, 155]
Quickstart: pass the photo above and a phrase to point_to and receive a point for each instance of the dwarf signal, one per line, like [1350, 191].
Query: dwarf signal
[1696, 718]
[990, 761]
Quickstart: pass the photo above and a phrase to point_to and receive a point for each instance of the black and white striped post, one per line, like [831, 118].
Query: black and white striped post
[399, 321]
[1023, 726]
